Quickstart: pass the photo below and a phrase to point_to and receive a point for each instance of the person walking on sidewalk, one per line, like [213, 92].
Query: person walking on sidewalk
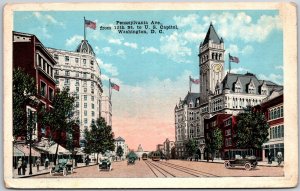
[269, 158]
[19, 166]
[38, 163]
[24, 166]
[279, 158]
[46, 163]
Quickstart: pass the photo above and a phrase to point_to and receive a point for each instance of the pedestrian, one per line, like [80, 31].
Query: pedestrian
[269, 158]
[38, 163]
[139, 158]
[87, 160]
[46, 163]
[19, 166]
[24, 166]
[279, 158]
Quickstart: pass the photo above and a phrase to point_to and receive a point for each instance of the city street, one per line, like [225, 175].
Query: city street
[168, 169]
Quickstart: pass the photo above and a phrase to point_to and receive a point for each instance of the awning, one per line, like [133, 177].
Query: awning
[18, 153]
[25, 149]
[61, 150]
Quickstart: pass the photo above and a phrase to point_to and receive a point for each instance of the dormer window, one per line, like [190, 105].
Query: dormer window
[238, 87]
[251, 87]
[264, 89]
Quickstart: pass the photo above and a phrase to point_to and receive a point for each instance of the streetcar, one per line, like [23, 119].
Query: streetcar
[156, 156]
[144, 156]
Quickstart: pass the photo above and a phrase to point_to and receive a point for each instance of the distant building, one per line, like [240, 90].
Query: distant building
[187, 123]
[168, 145]
[79, 72]
[121, 142]
[159, 147]
[106, 109]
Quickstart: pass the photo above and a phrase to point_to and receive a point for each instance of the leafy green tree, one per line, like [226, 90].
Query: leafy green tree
[252, 129]
[24, 93]
[214, 142]
[60, 118]
[99, 138]
[191, 147]
[120, 151]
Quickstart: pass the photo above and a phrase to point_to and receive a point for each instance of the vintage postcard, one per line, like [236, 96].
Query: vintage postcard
[144, 95]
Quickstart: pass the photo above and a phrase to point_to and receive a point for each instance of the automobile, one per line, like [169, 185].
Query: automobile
[249, 162]
[64, 166]
[131, 158]
[105, 164]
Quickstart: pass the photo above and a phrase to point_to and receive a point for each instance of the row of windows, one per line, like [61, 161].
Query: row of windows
[85, 113]
[84, 75]
[85, 105]
[43, 91]
[228, 142]
[277, 132]
[227, 132]
[67, 60]
[43, 64]
[228, 122]
[276, 112]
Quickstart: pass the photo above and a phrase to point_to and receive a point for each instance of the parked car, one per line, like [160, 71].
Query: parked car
[249, 162]
[64, 166]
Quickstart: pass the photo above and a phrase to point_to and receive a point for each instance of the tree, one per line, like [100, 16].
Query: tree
[191, 147]
[24, 93]
[99, 138]
[252, 130]
[120, 151]
[214, 142]
[60, 117]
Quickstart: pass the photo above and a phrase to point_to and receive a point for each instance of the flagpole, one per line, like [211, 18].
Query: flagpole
[109, 91]
[190, 84]
[229, 62]
[84, 28]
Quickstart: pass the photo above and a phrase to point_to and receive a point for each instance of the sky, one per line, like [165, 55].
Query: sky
[153, 70]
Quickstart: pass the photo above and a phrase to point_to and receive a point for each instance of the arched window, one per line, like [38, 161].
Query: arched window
[220, 56]
[213, 56]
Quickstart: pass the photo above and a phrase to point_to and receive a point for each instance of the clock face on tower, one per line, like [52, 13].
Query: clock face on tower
[217, 67]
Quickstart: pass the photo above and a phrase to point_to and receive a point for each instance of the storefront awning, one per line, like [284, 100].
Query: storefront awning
[18, 153]
[26, 151]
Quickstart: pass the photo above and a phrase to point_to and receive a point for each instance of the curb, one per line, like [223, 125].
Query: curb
[42, 173]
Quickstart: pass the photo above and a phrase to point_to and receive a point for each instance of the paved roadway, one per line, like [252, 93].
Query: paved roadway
[168, 169]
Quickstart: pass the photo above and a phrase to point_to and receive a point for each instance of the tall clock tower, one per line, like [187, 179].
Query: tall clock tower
[211, 63]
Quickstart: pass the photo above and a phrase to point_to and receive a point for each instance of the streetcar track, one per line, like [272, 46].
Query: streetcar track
[151, 169]
[187, 168]
[185, 171]
[160, 169]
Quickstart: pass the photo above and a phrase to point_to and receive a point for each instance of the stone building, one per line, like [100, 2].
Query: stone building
[79, 72]
[219, 92]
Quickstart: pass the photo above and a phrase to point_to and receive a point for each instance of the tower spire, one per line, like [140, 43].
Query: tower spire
[84, 28]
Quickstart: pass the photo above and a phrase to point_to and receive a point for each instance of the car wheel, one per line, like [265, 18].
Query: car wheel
[248, 166]
[65, 172]
[227, 164]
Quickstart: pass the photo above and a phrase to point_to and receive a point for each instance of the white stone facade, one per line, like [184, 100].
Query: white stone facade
[80, 72]
[106, 109]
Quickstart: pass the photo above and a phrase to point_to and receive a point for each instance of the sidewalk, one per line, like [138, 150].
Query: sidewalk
[42, 170]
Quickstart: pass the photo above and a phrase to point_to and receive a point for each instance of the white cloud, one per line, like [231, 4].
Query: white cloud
[234, 26]
[149, 49]
[47, 18]
[74, 40]
[189, 20]
[131, 45]
[279, 67]
[121, 53]
[175, 48]
[106, 49]
[115, 41]
[239, 70]
[235, 50]
[272, 77]
[108, 68]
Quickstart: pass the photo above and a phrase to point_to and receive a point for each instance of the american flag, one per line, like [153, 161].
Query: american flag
[90, 24]
[115, 86]
[234, 59]
[195, 81]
